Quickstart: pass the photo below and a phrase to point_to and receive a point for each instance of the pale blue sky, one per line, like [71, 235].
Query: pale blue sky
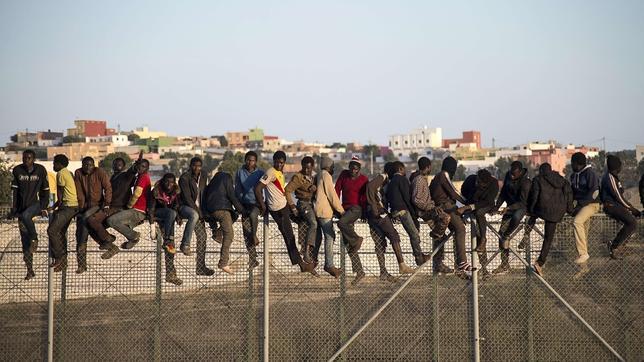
[329, 70]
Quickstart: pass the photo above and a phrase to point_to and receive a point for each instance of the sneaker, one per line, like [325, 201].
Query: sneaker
[386, 277]
[30, 275]
[129, 244]
[359, 276]
[503, 268]
[335, 272]
[405, 269]
[538, 269]
[582, 259]
[173, 279]
[57, 263]
[443, 269]
[582, 271]
[185, 249]
[227, 269]
[81, 269]
[62, 266]
[617, 253]
[204, 271]
[170, 248]
[111, 251]
[465, 273]
[424, 259]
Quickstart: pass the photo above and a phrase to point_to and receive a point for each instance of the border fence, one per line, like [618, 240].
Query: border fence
[123, 309]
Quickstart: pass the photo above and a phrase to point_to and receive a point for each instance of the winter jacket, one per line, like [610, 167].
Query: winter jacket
[160, 199]
[585, 186]
[443, 192]
[300, 184]
[30, 187]
[477, 195]
[550, 197]
[399, 194]
[326, 200]
[515, 192]
[94, 189]
[192, 190]
[220, 194]
[642, 190]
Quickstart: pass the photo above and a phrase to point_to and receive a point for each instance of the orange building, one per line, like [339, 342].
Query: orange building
[469, 137]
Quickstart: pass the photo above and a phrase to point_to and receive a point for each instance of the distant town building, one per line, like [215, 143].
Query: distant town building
[89, 128]
[256, 135]
[470, 139]
[35, 139]
[639, 152]
[144, 132]
[236, 139]
[271, 143]
[76, 151]
[419, 141]
[117, 140]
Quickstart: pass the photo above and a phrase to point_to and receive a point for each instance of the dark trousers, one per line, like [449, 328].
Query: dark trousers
[549, 234]
[283, 220]
[225, 221]
[82, 229]
[457, 227]
[620, 213]
[96, 224]
[249, 229]
[28, 231]
[57, 230]
[510, 221]
[384, 228]
[346, 225]
[481, 227]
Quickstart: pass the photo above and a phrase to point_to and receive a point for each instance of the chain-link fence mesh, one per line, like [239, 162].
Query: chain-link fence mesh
[123, 308]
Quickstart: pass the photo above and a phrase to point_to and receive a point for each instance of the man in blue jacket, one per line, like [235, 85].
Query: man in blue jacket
[585, 190]
[246, 179]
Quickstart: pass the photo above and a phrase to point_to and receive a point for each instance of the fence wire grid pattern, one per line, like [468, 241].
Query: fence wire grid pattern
[122, 308]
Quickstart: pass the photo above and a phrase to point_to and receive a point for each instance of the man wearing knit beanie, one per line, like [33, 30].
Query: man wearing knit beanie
[585, 190]
[617, 207]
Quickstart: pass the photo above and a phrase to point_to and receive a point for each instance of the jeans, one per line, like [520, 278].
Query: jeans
[326, 231]
[384, 229]
[345, 224]
[414, 237]
[125, 221]
[549, 234]
[224, 218]
[97, 227]
[581, 223]
[27, 227]
[166, 218]
[82, 231]
[249, 228]
[283, 220]
[510, 221]
[57, 230]
[309, 221]
[620, 213]
[192, 217]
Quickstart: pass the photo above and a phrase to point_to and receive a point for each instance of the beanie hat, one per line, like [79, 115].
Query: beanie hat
[326, 162]
[578, 158]
[356, 159]
[613, 163]
[449, 165]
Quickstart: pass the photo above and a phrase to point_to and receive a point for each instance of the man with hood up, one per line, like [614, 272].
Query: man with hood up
[445, 196]
[616, 206]
[515, 191]
[585, 190]
[550, 198]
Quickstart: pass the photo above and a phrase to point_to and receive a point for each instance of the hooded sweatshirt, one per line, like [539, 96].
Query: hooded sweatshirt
[550, 197]
[585, 186]
[515, 192]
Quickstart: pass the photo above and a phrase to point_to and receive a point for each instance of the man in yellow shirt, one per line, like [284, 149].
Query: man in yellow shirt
[65, 208]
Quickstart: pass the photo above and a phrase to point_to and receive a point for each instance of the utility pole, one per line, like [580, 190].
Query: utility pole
[604, 143]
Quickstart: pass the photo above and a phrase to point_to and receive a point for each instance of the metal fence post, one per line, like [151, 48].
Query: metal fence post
[50, 313]
[251, 330]
[475, 294]
[266, 291]
[343, 293]
[530, 307]
[157, 298]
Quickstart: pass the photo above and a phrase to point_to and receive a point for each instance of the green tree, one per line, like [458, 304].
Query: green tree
[414, 156]
[389, 156]
[502, 166]
[5, 182]
[106, 163]
[73, 139]
[231, 162]
[133, 137]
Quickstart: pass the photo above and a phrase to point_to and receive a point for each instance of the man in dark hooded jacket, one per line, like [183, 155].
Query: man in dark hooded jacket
[550, 198]
[616, 206]
[480, 192]
[445, 196]
[515, 191]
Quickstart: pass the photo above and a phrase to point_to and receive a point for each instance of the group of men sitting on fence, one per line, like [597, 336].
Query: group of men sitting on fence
[312, 200]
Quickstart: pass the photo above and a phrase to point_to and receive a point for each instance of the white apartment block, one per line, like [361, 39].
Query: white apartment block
[417, 141]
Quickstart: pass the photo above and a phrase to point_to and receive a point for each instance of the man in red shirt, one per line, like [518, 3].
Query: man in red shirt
[136, 210]
[352, 187]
